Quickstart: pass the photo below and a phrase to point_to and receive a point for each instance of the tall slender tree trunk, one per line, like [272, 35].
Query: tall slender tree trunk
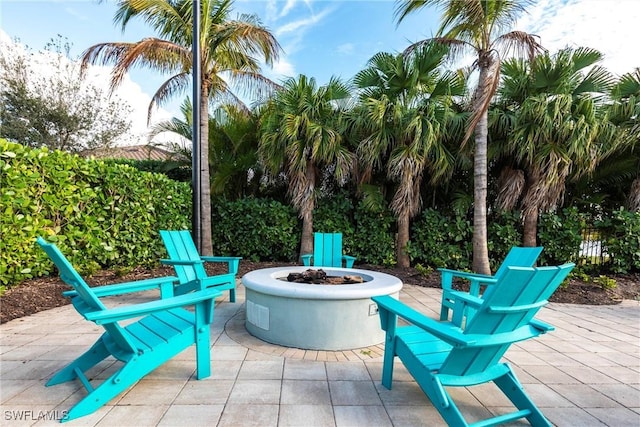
[530, 211]
[306, 211]
[402, 239]
[206, 245]
[480, 246]
[530, 228]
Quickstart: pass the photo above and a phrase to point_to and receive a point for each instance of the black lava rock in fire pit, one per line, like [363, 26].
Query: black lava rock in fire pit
[319, 277]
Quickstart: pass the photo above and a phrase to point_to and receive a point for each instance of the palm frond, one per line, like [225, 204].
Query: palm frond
[168, 89]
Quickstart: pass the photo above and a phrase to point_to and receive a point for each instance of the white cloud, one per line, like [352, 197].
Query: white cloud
[74, 12]
[607, 26]
[346, 49]
[283, 68]
[302, 24]
[289, 5]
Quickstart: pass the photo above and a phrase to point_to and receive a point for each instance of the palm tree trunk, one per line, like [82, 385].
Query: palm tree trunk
[530, 210]
[530, 228]
[480, 246]
[306, 211]
[402, 239]
[206, 245]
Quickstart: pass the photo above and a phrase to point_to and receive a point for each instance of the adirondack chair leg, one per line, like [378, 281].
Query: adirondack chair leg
[442, 402]
[387, 365]
[110, 388]
[96, 354]
[444, 313]
[232, 295]
[512, 388]
[204, 316]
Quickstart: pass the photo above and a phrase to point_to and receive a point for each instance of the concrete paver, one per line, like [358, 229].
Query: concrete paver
[586, 372]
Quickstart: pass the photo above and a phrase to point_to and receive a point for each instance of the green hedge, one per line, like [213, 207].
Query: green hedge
[255, 229]
[373, 242]
[108, 215]
[560, 233]
[438, 240]
[621, 231]
[99, 215]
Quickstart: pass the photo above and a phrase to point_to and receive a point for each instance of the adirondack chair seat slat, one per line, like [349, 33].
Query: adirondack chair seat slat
[158, 331]
[441, 354]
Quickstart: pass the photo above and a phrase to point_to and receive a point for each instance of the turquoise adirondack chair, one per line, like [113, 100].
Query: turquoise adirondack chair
[189, 265]
[441, 354]
[327, 252]
[165, 328]
[517, 257]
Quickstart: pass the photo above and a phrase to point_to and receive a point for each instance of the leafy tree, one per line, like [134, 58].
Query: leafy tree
[553, 110]
[405, 114]
[300, 137]
[478, 25]
[229, 53]
[44, 103]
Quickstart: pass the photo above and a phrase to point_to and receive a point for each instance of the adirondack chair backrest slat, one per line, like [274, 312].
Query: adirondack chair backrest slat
[327, 249]
[522, 290]
[88, 299]
[517, 257]
[180, 246]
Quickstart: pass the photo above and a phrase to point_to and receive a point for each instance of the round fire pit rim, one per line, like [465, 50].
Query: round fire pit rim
[270, 281]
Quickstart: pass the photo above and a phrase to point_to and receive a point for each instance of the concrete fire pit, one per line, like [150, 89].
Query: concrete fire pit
[316, 317]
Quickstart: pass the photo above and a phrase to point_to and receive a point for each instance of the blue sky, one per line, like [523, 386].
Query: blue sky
[328, 38]
[319, 38]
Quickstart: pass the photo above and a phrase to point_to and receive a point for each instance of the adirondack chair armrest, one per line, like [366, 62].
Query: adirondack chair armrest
[219, 279]
[541, 326]
[476, 279]
[220, 258]
[127, 287]
[232, 261]
[445, 331]
[181, 261]
[306, 259]
[530, 330]
[349, 260]
[465, 298]
[117, 314]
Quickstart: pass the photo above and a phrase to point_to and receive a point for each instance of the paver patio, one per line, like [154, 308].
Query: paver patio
[585, 373]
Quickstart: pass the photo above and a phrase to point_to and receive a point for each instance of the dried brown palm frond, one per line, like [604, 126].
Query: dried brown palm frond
[511, 185]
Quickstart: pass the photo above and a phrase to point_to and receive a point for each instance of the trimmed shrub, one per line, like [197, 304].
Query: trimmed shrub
[504, 231]
[373, 241]
[99, 215]
[560, 233]
[441, 241]
[335, 215]
[256, 229]
[621, 231]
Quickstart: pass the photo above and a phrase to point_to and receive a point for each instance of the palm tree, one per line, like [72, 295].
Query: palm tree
[478, 25]
[229, 53]
[233, 145]
[624, 113]
[300, 137]
[553, 110]
[403, 117]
